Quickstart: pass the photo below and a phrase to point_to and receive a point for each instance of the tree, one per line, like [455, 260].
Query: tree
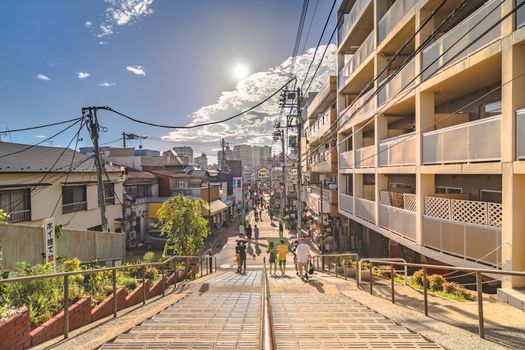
[3, 216]
[181, 221]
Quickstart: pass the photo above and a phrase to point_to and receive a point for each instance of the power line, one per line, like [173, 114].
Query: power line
[202, 124]
[310, 27]
[299, 35]
[43, 126]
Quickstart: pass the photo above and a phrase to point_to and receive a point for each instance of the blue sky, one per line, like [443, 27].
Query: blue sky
[183, 51]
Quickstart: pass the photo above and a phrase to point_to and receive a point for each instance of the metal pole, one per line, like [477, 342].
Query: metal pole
[200, 266]
[344, 270]
[144, 287]
[215, 263]
[299, 156]
[336, 259]
[425, 290]
[66, 306]
[392, 282]
[283, 192]
[164, 281]
[321, 223]
[481, 319]
[114, 281]
[371, 278]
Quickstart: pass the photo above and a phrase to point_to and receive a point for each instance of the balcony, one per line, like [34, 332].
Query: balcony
[365, 157]
[397, 213]
[346, 160]
[19, 216]
[402, 81]
[329, 196]
[454, 45]
[325, 162]
[324, 98]
[473, 212]
[346, 203]
[520, 134]
[72, 207]
[361, 106]
[353, 17]
[520, 15]
[477, 141]
[365, 209]
[398, 151]
[320, 127]
[393, 17]
[357, 59]
[329, 201]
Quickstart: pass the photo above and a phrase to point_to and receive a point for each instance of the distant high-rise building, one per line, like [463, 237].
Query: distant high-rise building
[228, 152]
[185, 151]
[202, 161]
[252, 156]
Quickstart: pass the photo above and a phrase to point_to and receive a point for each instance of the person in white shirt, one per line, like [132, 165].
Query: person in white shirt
[303, 254]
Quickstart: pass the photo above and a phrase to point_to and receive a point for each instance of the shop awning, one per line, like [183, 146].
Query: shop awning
[153, 208]
[228, 202]
[216, 207]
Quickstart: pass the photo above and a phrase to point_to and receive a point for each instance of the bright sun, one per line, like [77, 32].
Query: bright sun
[240, 71]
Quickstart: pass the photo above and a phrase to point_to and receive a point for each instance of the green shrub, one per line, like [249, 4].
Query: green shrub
[463, 292]
[417, 277]
[129, 283]
[385, 271]
[450, 287]
[436, 282]
[348, 261]
[149, 257]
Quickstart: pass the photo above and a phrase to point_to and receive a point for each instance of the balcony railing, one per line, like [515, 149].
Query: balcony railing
[110, 200]
[406, 201]
[324, 161]
[520, 135]
[520, 15]
[355, 13]
[329, 195]
[346, 160]
[402, 81]
[346, 203]
[476, 141]
[321, 95]
[400, 221]
[71, 207]
[365, 157]
[474, 212]
[393, 17]
[357, 59]
[398, 151]
[19, 216]
[363, 105]
[317, 130]
[457, 41]
[365, 209]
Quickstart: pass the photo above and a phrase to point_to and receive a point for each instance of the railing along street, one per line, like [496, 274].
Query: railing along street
[392, 262]
[267, 338]
[164, 265]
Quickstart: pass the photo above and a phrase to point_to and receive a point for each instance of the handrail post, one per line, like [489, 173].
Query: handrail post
[344, 270]
[425, 290]
[481, 319]
[358, 274]
[164, 281]
[371, 266]
[322, 261]
[336, 262]
[114, 281]
[215, 257]
[144, 287]
[66, 306]
[392, 282]
[200, 266]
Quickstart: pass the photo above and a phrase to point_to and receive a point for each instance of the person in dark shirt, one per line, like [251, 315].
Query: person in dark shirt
[249, 232]
[240, 250]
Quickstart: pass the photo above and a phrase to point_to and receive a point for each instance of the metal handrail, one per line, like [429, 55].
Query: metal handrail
[320, 260]
[405, 269]
[479, 290]
[113, 269]
[267, 339]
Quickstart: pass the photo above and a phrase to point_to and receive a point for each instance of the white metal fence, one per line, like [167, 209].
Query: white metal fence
[451, 40]
[474, 212]
[365, 209]
[394, 16]
[520, 134]
[364, 104]
[365, 157]
[476, 141]
[351, 19]
[398, 220]
[346, 203]
[403, 80]
[396, 151]
[346, 160]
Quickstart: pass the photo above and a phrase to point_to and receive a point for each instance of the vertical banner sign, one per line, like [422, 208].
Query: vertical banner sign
[49, 240]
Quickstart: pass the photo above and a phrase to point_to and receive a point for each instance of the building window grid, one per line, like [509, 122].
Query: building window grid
[74, 198]
[17, 204]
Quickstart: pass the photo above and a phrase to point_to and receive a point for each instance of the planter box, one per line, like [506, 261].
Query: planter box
[14, 332]
[79, 315]
[136, 296]
[172, 279]
[105, 308]
[157, 288]
[351, 272]
[365, 275]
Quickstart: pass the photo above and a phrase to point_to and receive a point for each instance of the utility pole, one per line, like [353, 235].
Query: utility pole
[299, 123]
[223, 160]
[91, 114]
[283, 192]
[209, 206]
[124, 139]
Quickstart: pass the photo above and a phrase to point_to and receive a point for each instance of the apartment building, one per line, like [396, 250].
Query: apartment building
[434, 162]
[321, 167]
[186, 152]
[202, 161]
[44, 182]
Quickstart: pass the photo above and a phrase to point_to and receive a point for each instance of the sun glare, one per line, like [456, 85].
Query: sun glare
[240, 71]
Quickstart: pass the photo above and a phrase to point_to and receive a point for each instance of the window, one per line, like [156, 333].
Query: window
[17, 204]
[74, 199]
[490, 196]
[181, 184]
[139, 191]
[448, 190]
[239, 183]
[109, 193]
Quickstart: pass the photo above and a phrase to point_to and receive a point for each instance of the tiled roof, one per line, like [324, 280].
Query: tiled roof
[15, 158]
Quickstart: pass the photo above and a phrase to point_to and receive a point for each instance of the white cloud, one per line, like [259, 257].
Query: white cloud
[42, 77]
[123, 12]
[107, 84]
[102, 42]
[40, 136]
[256, 126]
[83, 75]
[88, 24]
[137, 70]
